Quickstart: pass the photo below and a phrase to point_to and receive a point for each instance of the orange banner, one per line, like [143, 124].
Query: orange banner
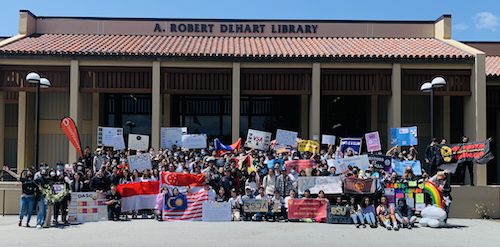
[69, 128]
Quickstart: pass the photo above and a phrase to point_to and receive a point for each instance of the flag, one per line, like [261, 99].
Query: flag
[221, 148]
[69, 128]
[478, 152]
[185, 206]
[137, 196]
[359, 186]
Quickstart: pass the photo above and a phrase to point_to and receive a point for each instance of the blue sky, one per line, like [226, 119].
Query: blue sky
[476, 21]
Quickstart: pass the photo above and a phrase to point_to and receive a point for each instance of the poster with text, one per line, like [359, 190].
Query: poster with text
[406, 136]
[350, 144]
[258, 139]
[106, 135]
[87, 206]
[373, 141]
[216, 211]
[138, 142]
[140, 162]
[171, 136]
[328, 139]
[286, 137]
[194, 141]
[329, 185]
[360, 161]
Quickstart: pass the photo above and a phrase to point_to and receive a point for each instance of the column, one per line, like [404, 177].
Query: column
[2, 126]
[304, 116]
[157, 105]
[74, 105]
[447, 118]
[235, 103]
[95, 119]
[315, 102]
[374, 113]
[394, 102]
[166, 110]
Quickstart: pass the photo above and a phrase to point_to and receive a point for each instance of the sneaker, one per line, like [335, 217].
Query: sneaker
[396, 228]
[357, 225]
[409, 226]
[28, 224]
[364, 225]
[388, 228]
[20, 223]
[38, 227]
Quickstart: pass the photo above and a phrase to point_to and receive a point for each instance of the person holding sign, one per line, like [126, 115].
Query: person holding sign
[248, 195]
[263, 196]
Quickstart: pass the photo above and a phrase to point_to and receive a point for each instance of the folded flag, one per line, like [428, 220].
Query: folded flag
[137, 196]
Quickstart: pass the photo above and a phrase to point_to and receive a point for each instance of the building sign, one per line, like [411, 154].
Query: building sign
[181, 28]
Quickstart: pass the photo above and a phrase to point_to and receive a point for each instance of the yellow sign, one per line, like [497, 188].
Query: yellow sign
[308, 146]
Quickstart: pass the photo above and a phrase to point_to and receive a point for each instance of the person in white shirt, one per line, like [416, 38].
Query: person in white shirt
[263, 196]
[235, 208]
[293, 177]
[211, 192]
[269, 183]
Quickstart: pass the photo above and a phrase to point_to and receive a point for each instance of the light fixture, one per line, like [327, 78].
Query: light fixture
[438, 82]
[44, 83]
[33, 77]
[426, 87]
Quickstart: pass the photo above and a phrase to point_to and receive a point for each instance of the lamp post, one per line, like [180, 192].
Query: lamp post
[429, 86]
[34, 77]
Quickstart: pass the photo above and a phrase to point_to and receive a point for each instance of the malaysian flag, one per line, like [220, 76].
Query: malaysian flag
[184, 206]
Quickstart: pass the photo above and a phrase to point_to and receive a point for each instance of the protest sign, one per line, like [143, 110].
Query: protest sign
[140, 162]
[105, 135]
[410, 192]
[328, 139]
[258, 139]
[452, 167]
[373, 141]
[307, 208]
[338, 215]
[400, 166]
[255, 205]
[308, 146]
[477, 152]
[360, 161]
[118, 142]
[306, 165]
[282, 149]
[380, 161]
[171, 136]
[87, 206]
[330, 185]
[359, 186]
[216, 211]
[194, 141]
[352, 144]
[406, 136]
[138, 142]
[286, 137]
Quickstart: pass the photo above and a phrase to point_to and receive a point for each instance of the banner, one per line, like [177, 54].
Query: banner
[400, 166]
[140, 162]
[306, 165]
[139, 195]
[359, 186]
[258, 139]
[478, 152]
[255, 205]
[380, 161]
[373, 141]
[308, 146]
[353, 144]
[194, 141]
[69, 128]
[87, 206]
[216, 211]
[330, 185]
[286, 137]
[138, 142]
[360, 161]
[338, 215]
[406, 136]
[106, 135]
[328, 139]
[411, 192]
[307, 208]
[171, 136]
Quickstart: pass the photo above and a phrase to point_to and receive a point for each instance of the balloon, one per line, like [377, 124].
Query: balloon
[433, 212]
[424, 221]
[435, 223]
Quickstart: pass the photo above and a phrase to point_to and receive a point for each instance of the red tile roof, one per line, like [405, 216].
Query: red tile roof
[492, 65]
[270, 47]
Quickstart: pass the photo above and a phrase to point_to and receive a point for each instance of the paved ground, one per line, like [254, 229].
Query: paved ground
[152, 233]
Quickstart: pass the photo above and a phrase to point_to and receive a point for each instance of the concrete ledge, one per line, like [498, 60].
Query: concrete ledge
[465, 199]
[12, 197]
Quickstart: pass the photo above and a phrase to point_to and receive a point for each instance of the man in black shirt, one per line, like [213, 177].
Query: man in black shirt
[114, 204]
[99, 183]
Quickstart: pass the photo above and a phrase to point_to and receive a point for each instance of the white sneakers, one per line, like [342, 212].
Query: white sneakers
[38, 227]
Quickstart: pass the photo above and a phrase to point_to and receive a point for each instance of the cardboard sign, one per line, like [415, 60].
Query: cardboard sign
[138, 142]
[328, 139]
[140, 162]
[330, 185]
[105, 135]
[307, 208]
[255, 205]
[171, 136]
[216, 211]
[373, 141]
[194, 141]
[308, 146]
[338, 215]
[406, 136]
[286, 137]
[353, 144]
[87, 206]
[258, 139]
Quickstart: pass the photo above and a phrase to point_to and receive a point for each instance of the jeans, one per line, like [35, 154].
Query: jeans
[370, 218]
[355, 218]
[42, 212]
[27, 203]
[63, 207]
[114, 211]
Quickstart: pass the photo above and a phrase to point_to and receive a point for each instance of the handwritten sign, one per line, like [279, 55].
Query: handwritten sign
[87, 206]
[138, 142]
[338, 215]
[330, 185]
[258, 139]
[118, 142]
[216, 211]
[308, 146]
[286, 137]
[140, 162]
[255, 205]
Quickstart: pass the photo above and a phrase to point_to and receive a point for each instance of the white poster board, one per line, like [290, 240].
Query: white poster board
[330, 185]
[106, 135]
[140, 162]
[360, 161]
[328, 139]
[87, 206]
[216, 211]
[194, 141]
[138, 142]
[258, 139]
[286, 137]
[118, 142]
[171, 136]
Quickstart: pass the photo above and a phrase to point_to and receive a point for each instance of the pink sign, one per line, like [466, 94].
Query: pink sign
[306, 165]
[307, 208]
[373, 141]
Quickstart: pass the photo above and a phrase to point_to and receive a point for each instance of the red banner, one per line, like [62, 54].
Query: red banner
[307, 208]
[69, 128]
[306, 165]
[182, 179]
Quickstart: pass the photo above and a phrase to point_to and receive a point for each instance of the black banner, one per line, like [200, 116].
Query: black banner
[338, 215]
[478, 152]
[379, 161]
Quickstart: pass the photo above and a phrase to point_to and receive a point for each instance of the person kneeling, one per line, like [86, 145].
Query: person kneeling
[404, 214]
[114, 204]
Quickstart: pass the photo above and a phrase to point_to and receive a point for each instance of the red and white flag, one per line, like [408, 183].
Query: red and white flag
[193, 209]
[137, 196]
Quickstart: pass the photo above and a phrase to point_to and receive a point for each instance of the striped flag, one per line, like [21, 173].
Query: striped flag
[184, 206]
[137, 196]
[221, 148]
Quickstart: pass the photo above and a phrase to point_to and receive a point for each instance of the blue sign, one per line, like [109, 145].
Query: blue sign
[406, 136]
[400, 166]
[353, 144]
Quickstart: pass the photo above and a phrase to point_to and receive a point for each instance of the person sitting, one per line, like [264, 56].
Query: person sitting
[404, 214]
[114, 203]
[248, 195]
[278, 206]
[321, 195]
[356, 213]
[262, 196]
[368, 211]
[386, 214]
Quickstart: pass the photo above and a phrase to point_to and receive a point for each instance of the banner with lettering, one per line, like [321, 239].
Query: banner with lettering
[360, 161]
[338, 215]
[307, 208]
[351, 144]
[255, 205]
[306, 165]
[69, 128]
[308, 146]
[400, 166]
[87, 206]
[478, 152]
[359, 186]
[216, 211]
[373, 141]
[258, 139]
[330, 185]
[412, 192]
[405, 136]
[380, 161]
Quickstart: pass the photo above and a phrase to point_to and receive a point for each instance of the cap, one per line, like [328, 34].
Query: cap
[248, 188]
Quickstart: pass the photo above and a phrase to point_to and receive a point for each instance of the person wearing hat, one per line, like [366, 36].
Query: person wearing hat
[241, 202]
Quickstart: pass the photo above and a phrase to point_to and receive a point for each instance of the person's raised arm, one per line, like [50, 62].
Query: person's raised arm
[6, 168]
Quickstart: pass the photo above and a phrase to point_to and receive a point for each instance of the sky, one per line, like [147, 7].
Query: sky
[476, 21]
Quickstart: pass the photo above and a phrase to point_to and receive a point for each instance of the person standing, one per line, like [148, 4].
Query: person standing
[466, 164]
[430, 157]
[29, 189]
